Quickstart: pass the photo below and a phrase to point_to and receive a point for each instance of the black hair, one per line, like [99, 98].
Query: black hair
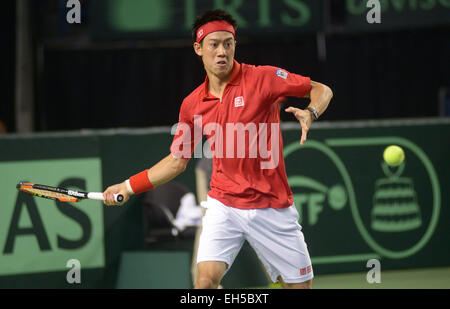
[212, 15]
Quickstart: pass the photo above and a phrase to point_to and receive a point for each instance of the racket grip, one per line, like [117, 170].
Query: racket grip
[118, 198]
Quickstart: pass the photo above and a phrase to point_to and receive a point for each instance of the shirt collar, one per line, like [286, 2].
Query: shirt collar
[235, 80]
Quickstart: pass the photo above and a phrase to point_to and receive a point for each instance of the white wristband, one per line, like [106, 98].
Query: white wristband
[130, 190]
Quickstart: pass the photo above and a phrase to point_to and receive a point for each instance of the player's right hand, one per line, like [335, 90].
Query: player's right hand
[304, 118]
[120, 188]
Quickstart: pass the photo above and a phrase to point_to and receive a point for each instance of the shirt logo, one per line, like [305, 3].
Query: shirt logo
[239, 101]
[282, 74]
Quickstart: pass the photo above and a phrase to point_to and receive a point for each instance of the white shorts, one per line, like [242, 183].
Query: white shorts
[274, 234]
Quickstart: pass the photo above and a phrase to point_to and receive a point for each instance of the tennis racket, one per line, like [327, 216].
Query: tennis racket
[62, 194]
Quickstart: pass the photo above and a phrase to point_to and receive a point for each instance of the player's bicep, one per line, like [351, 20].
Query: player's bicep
[183, 141]
[313, 85]
[317, 89]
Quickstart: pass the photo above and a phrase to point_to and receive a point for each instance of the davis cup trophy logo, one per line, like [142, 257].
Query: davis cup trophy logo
[394, 209]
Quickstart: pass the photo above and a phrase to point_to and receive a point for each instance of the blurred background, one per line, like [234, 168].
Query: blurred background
[130, 63]
[86, 81]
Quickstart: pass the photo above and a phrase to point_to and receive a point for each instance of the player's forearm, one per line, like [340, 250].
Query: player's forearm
[166, 170]
[320, 96]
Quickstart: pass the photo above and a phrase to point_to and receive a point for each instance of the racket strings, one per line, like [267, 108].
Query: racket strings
[50, 194]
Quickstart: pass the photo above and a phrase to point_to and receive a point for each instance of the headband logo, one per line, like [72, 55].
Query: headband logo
[200, 33]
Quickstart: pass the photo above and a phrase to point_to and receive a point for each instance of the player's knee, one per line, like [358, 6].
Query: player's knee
[306, 285]
[210, 274]
[204, 282]
[302, 285]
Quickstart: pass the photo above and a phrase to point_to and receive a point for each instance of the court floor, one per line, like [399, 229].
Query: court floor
[424, 278]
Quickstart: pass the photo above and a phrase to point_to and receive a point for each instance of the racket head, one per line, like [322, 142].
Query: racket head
[45, 192]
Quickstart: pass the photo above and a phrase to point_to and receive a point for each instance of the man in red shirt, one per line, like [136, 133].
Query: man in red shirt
[250, 198]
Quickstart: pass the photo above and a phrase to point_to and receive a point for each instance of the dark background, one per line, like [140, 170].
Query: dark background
[83, 83]
[7, 28]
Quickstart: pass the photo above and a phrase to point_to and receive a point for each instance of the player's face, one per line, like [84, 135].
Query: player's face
[217, 51]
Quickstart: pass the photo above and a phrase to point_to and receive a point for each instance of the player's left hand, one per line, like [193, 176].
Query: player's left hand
[305, 119]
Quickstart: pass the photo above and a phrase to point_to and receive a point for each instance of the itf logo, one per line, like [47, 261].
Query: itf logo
[73, 16]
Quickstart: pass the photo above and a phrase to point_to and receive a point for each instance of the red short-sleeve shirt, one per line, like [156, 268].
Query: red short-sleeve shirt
[243, 131]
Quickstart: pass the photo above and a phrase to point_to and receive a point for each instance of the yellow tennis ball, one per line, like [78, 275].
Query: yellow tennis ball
[393, 155]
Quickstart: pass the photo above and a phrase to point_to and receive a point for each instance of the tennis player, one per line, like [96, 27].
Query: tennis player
[250, 198]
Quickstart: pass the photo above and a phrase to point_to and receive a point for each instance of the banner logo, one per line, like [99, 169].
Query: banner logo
[385, 205]
[41, 235]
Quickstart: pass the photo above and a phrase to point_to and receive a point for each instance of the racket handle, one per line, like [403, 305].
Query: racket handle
[118, 198]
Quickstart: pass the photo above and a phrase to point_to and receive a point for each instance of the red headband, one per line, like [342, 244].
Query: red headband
[213, 27]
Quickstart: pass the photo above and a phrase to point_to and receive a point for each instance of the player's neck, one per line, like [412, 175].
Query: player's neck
[217, 84]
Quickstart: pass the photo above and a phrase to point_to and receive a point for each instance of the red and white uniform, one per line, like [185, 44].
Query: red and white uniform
[247, 201]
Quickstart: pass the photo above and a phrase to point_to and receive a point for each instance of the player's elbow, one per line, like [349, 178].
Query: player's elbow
[182, 167]
[178, 166]
[327, 92]
[322, 91]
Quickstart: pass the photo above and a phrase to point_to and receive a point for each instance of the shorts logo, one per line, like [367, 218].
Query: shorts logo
[282, 74]
[239, 101]
[306, 270]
